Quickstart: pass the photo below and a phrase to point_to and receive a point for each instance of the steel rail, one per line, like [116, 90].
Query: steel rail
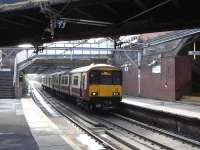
[96, 124]
[138, 135]
[107, 131]
[104, 143]
[161, 131]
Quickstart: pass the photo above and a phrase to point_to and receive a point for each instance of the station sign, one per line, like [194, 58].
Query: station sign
[156, 69]
[194, 53]
[125, 68]
[5, 69]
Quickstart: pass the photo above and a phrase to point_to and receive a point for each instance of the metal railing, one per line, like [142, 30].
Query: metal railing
[28, 54]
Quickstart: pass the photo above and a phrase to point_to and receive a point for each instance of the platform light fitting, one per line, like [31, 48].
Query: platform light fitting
[25, 45]
[154, 62]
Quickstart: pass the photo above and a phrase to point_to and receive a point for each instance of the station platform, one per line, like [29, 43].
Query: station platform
[178, 108]
[14, 130]
[26, 125]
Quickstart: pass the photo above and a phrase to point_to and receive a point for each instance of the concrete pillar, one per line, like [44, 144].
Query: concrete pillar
[20, 84]
[18, 90]
[0, 58]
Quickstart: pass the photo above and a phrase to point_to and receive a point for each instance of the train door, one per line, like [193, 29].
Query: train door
[82, 85]
[53, 82]
[70, 84]
[59, 82]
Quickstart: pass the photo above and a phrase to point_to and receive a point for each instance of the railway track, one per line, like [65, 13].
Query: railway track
[133, 134]
[92, 128]
[154, 129]
[150, 136]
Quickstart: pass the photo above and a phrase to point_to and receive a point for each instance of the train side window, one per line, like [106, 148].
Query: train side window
[61, 80]
[55, 79]
[71, 81]
[117, 77]
[94, 77]
[75, 80]
[66, 80]
[58, 79]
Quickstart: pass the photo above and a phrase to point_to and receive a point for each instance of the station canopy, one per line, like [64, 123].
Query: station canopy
[42, 21]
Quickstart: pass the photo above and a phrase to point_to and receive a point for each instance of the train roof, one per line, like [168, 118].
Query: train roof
[61, 72]
[83, 69]
[90, 67]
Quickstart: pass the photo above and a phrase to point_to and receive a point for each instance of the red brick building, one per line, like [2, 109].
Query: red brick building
[166, 70]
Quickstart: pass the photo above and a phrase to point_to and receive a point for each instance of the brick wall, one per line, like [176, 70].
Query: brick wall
[171, 83]
[183, 73]
[130, 81]
[159, 85]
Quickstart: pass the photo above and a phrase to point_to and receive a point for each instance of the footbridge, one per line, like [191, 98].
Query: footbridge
[54, 59]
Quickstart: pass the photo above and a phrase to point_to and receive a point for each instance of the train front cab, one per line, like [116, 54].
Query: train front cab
[105, 87]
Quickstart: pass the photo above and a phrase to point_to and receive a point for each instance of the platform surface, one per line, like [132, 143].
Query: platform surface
[14, 130]
[25, 125]
[189, 110]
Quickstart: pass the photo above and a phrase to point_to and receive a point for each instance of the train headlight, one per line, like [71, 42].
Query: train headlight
[116, 93]
[94, 93]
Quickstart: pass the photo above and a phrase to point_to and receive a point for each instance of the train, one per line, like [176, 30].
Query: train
[97, 86]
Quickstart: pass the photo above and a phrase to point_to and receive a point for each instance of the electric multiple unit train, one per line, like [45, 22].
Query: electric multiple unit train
[93, 86]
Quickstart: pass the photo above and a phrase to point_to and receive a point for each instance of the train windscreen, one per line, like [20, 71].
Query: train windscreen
[94, 77]
[105, 77]
[117, 77]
